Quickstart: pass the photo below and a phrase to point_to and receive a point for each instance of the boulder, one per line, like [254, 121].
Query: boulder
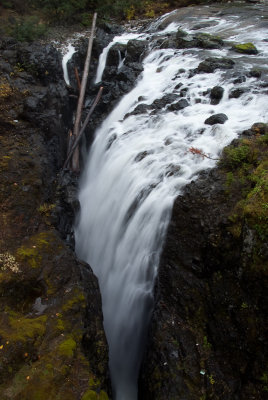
[236, 93]
[167, 99]
[216, 94]
[245, 48]
[115, 52]
[216, 119]
[211, 64]
[136, 50]
[180, 105]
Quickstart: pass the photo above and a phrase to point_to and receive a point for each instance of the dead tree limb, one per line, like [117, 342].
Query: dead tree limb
[75, 161]
[78, 137]
[77, 78]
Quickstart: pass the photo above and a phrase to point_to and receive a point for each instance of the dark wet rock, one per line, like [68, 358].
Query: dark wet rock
[44, 63]
[186, 42]
[136, 66]
[167, 99]
[245, 48]
[116, 53]
[181, 34]
[236, 93]
[142, 155]
[110, 28]
[178, 86]
[202, 25]
[255, 73]
[140, 109]
[180, 105]
[200, 40]
[239, 79]
[126, 74]
[10, 56]
[173, 169]
[216, 94]
[136, 50]
[213, 63]
[216, 119]
[192, 72]
[260, 128]
[207, 41]
[183, 92]
[207, 336]
[50, 302]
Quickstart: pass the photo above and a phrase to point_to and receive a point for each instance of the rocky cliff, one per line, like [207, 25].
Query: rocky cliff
[207, 337]
[52, 342]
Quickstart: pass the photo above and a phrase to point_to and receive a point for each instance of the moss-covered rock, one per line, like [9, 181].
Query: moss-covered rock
[245, 48]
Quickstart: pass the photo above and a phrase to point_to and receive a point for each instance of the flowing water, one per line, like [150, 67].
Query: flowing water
[138, 164]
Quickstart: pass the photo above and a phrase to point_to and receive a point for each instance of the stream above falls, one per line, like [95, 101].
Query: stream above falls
[146, 151]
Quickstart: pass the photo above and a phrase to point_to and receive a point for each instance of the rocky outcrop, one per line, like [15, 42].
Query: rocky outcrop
[52, 341]
[207, 337]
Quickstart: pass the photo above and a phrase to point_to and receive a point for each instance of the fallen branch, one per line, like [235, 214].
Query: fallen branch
[199, 152]
[78, 137]
[75, 161]
[77, 78]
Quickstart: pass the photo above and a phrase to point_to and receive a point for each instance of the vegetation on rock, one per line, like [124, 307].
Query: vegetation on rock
[246, 48]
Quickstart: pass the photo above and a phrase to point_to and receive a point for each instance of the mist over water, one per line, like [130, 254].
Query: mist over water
[138, 164]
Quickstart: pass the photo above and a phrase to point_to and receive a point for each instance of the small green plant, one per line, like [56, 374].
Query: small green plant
[45, 209]
[235, 156]
[206, 343]
[211, 379]
[264, 380]
[29, 29]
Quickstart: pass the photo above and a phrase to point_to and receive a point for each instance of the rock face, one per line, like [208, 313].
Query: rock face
[207, 335]
[52, 340]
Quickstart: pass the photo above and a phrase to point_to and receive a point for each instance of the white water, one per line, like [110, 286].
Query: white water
[67, 56]
[137, 166]
[123, 39]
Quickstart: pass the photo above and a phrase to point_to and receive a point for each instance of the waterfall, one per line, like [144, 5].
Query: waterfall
[137, 165]
[67, 56]
[123, 39]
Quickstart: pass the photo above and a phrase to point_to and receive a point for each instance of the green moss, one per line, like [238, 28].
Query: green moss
[78, 298]
[103, 395]
[37, 247]
[19, 328]
[246, 48]
[60, 325]
[245, 164]
[91, 395]
[31, 255]
[67, 347]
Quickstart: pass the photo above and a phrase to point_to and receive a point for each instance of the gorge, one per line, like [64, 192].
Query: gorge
[172, 222]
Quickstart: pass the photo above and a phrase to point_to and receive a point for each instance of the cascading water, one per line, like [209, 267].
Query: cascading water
[139, 163]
